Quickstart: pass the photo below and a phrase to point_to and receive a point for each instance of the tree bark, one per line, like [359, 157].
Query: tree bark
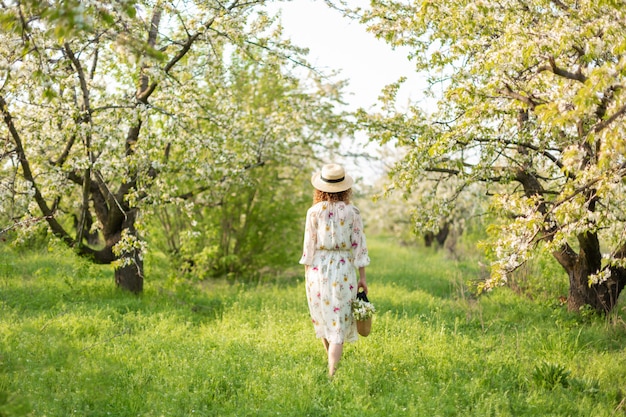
[130, 276]
[601, 297]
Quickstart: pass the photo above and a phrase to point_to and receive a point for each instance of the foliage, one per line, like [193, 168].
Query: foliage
[254, 230]
[417, 216]
[527, 99]
[541, 279]
[248, 220]
[113, 111]
[550, 375]
[74, 345]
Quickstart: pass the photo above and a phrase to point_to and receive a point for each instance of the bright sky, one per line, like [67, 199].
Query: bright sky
[369, 64]
[337, 43]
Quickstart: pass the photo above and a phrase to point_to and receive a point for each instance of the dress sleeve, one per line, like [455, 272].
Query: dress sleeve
[359, 245]
[310, 235]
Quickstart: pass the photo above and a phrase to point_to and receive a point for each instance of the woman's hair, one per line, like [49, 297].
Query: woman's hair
[332, 197]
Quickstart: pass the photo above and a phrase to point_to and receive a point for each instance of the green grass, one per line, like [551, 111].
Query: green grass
[71, 344]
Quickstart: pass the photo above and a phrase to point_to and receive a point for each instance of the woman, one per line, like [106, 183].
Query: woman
[334, 245]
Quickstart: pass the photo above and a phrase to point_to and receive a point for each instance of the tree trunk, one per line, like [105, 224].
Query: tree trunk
[130, 276]
[602, 297]
[439, 238]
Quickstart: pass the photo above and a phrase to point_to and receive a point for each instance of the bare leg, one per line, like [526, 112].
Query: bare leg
[325, 342]
[334, 355]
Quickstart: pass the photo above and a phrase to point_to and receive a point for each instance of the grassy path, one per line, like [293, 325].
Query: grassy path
[70, 344]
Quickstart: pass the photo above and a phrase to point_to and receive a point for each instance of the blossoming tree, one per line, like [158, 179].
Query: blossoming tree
[529, 100]
[110, 108]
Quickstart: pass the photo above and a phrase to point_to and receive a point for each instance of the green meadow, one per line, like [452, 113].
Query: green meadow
[71, 344]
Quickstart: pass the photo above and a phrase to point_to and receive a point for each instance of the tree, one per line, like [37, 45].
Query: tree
[110, 108]
[402, 214]
[249, 223]
[528, 99]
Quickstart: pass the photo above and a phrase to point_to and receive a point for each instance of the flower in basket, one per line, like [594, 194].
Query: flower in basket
[362, 310]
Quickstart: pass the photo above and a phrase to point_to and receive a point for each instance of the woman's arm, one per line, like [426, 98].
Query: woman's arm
[362, 280]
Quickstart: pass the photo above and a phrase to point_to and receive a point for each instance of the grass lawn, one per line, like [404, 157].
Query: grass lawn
[72, 344]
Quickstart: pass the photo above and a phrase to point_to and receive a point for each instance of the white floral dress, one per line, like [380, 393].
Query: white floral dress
[334, 246]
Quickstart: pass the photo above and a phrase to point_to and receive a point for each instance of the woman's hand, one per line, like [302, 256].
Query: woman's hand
[362, 284]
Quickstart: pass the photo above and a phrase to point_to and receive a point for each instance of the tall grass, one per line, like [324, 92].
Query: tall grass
[71, 344]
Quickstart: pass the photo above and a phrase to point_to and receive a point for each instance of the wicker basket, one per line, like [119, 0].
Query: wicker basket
[364, 327]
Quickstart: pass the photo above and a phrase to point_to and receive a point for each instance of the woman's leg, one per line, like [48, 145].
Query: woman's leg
[334, 355]
[325, 342]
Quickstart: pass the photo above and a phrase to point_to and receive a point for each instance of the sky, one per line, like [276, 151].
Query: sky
[369, 64]
[336, 42]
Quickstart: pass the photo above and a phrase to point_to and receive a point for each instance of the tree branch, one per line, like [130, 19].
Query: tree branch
[81, 78]
[543, 152]
[602, 125]
[508, 91]
[48, 214]
[203, 188]
[577, 76]
[560, 5]
[66, 152]
[146, 91]
[86, 108]
[152, 38]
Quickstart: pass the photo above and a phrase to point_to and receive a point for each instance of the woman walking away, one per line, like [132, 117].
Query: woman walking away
[334, 247]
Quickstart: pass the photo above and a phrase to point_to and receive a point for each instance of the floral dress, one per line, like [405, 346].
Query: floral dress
[334, 246]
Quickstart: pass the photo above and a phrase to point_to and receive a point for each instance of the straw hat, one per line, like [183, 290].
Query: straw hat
[332, 179]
